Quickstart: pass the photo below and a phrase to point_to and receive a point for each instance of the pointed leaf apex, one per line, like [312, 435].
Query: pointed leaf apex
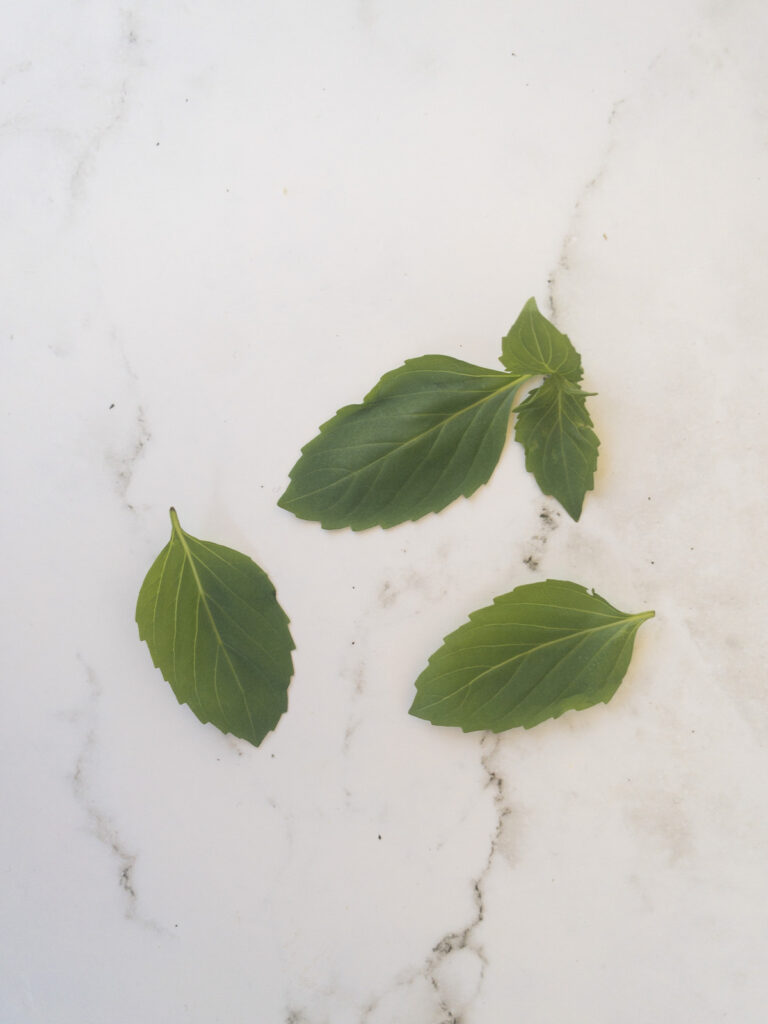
[534, 345]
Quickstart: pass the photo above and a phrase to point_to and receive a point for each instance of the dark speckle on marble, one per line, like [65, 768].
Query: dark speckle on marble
[549, 521]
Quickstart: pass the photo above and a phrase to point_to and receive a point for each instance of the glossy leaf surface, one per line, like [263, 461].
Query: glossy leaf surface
[555, 430]
[534, 653]
[429, 431]
[214, 628]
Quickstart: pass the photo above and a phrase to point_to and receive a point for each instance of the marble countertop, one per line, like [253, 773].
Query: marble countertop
[220, 224]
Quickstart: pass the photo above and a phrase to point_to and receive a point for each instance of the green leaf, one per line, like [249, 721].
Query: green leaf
[429, 432]
[555, 430]
[211, 620]
[534, 653]
[534, 346]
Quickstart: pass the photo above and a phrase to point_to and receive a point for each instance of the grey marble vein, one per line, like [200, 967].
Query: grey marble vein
[571, 236]
[123, 465]
[100, 822]
[126, 42]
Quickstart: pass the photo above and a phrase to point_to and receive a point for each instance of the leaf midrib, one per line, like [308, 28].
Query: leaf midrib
[532, 326]
[579, 634]
[178, 532]
[559, 434]
[538, 683]
[563, 414]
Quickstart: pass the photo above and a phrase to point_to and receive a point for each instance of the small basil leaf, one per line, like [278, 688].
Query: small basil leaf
[554, 428]
[534, 345]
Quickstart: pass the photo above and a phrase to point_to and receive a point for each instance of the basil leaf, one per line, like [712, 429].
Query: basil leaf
[211, 620]
[534, 345]
[554, 428]
[534, 653]
[429, 432]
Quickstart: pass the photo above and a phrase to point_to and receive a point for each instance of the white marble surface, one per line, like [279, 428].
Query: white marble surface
[219, 224]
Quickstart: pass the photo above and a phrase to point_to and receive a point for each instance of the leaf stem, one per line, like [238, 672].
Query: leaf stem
[522, 380]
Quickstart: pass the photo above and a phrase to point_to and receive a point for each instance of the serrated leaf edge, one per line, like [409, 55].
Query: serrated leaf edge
[220, 645]
[563, 386]
[614, 624]
[531, 310]
[515, 383]
[625, 619]
[178, 534]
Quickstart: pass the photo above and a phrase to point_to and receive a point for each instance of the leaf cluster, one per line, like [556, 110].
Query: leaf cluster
[428, 432]
[434, 429]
